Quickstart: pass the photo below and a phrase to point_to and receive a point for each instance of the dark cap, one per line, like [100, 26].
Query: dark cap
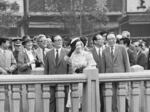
[18, 42]
[26, 39]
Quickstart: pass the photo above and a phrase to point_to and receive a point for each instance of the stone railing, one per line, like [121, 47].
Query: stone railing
[31, 93]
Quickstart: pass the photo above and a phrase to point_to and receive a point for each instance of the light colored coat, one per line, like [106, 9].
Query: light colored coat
[39, 54]
[120, 62]
[7, 61]
[23, 67]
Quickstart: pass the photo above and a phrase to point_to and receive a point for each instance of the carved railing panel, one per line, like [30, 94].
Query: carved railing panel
[2, 98]
[16, 98]
[32, 93]
[108, 97]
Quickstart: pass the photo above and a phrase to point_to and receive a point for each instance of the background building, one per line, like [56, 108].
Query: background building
[43, 17]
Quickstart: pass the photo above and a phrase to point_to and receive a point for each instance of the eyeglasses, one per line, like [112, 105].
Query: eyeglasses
[99, 39]
[43, 41]
[59, 40]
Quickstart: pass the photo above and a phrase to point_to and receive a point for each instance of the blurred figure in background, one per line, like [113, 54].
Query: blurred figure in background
[141, 57]
[118, 37]
[85, 42]
[126, 43]
[17, 48]
[7, 60]
[126, 34]
[49, 43]
[35, 44]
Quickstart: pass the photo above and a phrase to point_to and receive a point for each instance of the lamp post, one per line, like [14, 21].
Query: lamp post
[81, 12]
[26, 16]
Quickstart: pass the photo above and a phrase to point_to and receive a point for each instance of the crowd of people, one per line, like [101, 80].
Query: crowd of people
[110, 53]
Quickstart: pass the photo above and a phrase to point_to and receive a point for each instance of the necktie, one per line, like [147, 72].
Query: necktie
[100, 52]
[43, 53]
[57, 57]
[112, 54]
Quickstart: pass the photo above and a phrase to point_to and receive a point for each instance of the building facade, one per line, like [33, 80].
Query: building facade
[43, 18]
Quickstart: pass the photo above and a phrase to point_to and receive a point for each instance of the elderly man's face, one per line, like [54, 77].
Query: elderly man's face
[111, 39]
[42, 42]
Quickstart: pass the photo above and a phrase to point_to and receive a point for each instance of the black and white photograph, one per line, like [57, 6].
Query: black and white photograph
[74, 55]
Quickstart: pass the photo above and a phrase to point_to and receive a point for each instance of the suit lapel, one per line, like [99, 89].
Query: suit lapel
[95, 55]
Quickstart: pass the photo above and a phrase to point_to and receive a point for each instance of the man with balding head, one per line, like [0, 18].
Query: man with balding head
[115, 56]
[116, 60]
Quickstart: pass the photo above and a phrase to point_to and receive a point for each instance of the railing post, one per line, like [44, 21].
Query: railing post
[16, 98]
[147, 98]
[136, 96]
[24, 103]
[91, 96]
[122, 93]
[2, 98]
[60, 95]
[46, 98]
[108, 97]
[75, 98]
[31, 98]
[38, 99]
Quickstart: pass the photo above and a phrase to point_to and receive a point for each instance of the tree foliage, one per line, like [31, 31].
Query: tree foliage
[7, 17]
[80, 16]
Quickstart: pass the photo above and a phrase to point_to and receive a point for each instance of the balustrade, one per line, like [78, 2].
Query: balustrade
[31, 93]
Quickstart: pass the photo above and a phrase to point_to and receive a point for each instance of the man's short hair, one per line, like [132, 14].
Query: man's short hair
[126, 34]
[40, 36]
[3, 40]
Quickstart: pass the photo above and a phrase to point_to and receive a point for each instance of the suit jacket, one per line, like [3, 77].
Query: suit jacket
[98, 60]
[50, 64]
[132, 58]
[142, 59]
[23, 67]
[120, 61]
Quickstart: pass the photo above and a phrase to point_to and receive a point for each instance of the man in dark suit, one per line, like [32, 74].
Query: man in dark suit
[141, 56]
[97, 50]
[98, 42]
[115, 57]
[55, 64]
[115, 60]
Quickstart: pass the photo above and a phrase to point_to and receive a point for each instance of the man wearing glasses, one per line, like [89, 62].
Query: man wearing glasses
[42, 49]
[55, 64]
